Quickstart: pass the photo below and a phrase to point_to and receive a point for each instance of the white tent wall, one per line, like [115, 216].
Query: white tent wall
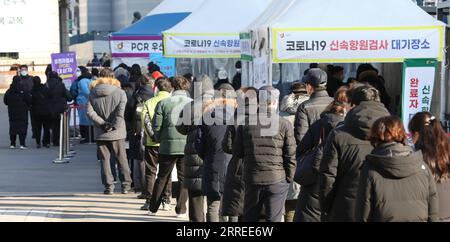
[209, 67]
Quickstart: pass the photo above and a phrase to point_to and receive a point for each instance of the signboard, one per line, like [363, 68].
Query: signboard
[260, 72]
[246, 46]
[135, 46]
[202, 46]
[65, 64]
[30, 28]
[418, 83]
[357, 44]
[167, 65]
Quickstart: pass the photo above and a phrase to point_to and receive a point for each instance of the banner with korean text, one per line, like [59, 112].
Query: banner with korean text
[202, 45]
[135, 46]
[340, 45]
[65, 64]
[418, 82]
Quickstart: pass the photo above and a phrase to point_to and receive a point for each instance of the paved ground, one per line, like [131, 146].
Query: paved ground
[32, 188]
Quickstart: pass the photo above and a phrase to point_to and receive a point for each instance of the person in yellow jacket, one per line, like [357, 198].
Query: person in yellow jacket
[151, 147]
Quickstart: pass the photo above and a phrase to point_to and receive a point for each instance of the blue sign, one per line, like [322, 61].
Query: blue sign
[167, 65]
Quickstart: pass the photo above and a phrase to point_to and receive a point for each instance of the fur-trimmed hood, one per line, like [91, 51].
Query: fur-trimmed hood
[105, 80]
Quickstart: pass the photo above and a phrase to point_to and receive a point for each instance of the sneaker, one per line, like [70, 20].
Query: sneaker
[181, 215]
[108, 192]
[12, 147]
[23, 148]
[145, 207]
[38, 146]
[47, 146]
[150, 213]
[166, 206]
[126, 191]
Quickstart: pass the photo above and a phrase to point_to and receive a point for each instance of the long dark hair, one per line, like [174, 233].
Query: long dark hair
[433, 143]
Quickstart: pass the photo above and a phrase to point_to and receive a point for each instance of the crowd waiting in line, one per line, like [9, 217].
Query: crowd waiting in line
[328, 151]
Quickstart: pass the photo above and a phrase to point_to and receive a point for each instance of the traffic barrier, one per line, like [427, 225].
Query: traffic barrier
[65, 153]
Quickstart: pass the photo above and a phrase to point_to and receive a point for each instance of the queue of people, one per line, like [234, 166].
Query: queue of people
[327, 152]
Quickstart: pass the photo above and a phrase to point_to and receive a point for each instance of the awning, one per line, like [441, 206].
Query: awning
[213, 30]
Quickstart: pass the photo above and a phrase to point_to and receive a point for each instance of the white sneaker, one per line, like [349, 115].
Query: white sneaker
[166, 207]
[152, 214]
[23, 148]
[181, 215]
[12, 147]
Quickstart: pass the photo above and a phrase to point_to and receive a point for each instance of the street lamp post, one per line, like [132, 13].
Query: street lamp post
[64, 29]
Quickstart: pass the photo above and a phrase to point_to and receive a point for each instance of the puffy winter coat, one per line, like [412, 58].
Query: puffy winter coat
[107, 104]
[209, 145]
[396, 186]
[343, 155]
[309, 112]
[269, 155]
[308, 207]
[193, 164]
[18, 102]
[166, 118]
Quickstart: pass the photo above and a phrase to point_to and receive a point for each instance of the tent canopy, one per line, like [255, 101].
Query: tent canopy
[164, 16]
[213, 30]
[355, 31]
[152, 25]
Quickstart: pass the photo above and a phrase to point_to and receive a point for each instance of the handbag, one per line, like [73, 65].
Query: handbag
[304, 173]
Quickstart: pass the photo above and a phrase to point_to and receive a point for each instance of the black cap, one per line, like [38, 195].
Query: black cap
[316, 77]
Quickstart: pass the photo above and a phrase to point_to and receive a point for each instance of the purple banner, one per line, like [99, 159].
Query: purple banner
[65, 64]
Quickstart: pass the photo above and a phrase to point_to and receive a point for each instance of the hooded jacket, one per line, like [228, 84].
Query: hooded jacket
[147, 116]
[309, 112]
[209, 145]
[396, 186]
[343, 155]
[107, 104]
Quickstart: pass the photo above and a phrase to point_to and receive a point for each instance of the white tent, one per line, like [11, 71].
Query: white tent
[355, 31]
[213, 30]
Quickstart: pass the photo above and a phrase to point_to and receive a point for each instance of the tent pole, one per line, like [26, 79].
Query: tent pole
[443, 83]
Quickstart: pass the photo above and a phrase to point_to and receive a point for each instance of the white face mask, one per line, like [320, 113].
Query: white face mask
[239, 71]
[78, 73]
[23, 73]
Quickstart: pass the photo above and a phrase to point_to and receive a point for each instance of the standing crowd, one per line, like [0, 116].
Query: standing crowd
[328, 151]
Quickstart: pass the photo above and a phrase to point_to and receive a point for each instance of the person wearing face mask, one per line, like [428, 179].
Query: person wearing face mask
[26, 81]
[237, 79]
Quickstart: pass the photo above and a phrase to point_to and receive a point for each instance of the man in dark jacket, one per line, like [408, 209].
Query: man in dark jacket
[343, 155]
[267, 146]
[217, 114]
[106, 108]
[58, 98]
[309, 111]
[40, 110]
[237, 79]
[171, 149]
[202, 90]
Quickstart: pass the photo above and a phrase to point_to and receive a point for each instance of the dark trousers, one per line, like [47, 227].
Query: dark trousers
[272, 197]
[151, 165]
[166, 165]
[55, 128]
[84, 132]
[42, 122]
[22, 138]
[196, 207]
[117, 147]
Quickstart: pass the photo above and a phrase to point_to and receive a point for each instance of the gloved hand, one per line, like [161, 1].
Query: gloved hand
[107, 127]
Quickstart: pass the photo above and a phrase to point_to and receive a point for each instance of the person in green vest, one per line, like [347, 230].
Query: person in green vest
[152, 147]
[171, 149]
